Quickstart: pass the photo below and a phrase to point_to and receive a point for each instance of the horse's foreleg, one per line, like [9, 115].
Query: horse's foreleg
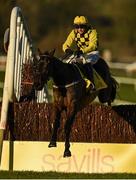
[68, 126]
[56, 125]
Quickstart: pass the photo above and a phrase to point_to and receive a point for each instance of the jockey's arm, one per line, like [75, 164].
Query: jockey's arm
[69, 41]
[92, 42]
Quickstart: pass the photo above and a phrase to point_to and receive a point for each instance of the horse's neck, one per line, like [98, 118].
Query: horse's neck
[63, 73]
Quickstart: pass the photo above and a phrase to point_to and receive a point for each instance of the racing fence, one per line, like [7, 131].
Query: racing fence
[94, 123]
[20, 51]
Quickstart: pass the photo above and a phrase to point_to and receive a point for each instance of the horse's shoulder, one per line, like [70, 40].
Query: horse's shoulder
[79, 65]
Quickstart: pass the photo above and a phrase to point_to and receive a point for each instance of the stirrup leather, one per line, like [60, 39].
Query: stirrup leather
[88, 82]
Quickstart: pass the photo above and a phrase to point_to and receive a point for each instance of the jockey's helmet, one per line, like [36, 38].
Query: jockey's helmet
[80, 20]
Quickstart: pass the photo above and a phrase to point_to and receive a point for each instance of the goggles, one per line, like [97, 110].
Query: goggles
[81, 26]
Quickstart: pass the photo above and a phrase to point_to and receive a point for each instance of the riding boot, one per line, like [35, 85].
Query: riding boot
[89, 76]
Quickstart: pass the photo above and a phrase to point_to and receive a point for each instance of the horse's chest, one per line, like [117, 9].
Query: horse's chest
[63, 97]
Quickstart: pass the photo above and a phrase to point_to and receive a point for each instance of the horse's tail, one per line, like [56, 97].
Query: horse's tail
[115, 85]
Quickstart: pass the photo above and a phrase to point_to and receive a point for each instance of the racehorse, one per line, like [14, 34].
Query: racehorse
[68, 90]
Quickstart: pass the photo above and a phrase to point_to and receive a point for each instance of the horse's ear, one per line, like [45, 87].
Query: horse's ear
[51, 53]
[34, 59]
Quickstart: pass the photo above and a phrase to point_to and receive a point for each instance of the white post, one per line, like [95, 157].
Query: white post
[9, 75]
[8, 84]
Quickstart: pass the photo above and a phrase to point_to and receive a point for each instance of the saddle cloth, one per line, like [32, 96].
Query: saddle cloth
[98, 80]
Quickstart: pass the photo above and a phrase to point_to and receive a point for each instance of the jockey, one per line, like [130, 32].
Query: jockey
[86, 41]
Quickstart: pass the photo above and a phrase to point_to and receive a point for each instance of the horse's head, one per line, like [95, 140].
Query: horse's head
[42, 68]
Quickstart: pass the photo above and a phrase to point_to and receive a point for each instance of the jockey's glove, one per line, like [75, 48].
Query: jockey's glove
[78, 53]
[68, 51]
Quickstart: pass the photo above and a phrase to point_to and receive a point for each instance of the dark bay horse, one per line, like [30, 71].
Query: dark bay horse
[68, 91]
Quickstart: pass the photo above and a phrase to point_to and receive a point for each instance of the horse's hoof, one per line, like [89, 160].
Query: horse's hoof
[67, 153]
[52, 144]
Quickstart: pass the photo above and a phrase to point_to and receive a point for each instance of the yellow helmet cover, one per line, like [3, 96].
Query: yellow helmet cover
[80, 20]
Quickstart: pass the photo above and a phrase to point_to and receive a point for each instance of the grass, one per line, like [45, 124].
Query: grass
[122, 73]
[2, 76]
[1, 92]
[56, 175]
[126, 93]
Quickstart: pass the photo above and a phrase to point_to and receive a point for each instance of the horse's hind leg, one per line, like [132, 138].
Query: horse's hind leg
[56, 125]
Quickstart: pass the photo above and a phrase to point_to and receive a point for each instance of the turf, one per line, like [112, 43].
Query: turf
[122, 73]
[2, 76]
[126, 92]
[55, 175]
[1, 92]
